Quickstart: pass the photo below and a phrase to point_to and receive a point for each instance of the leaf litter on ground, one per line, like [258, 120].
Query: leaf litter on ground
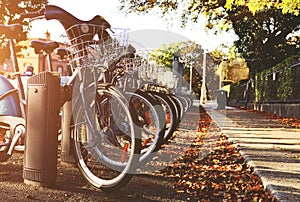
[222, 175]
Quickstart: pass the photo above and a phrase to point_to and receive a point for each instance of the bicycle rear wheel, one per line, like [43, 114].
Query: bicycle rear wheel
[107, 148]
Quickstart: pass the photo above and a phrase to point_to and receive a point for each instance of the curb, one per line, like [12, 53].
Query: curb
[280, 190]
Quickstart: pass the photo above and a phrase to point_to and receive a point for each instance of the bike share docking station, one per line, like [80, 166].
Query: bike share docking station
[66, 155]
[42, 124]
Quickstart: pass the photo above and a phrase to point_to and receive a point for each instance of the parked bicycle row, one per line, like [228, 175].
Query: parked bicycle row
[115, 126]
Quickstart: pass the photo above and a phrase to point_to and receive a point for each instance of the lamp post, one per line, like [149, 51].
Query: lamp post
[191, 78]
[220, 79]
[203, 89]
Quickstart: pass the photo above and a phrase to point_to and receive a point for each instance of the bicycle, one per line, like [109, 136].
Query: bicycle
[14, 140]
[152, 129]
[130, 82]
[104, 130]
[149, 110]
[122, 160]
[173, 106]
[12, 122]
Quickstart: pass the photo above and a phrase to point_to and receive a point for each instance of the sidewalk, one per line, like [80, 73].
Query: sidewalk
[271, 148]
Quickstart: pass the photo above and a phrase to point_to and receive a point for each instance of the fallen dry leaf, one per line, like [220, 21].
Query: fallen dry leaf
[223, 175]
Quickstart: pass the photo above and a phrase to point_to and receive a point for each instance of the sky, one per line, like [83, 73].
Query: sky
[140, 24]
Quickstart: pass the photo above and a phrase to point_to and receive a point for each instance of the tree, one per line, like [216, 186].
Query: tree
[233, 70]
[191, 54]
[231, 66]
[10, 10]
[164, 56]
[264, 38]
[254, 6]
[266, 29]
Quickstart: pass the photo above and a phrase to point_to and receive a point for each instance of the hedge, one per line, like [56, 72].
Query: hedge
[279, 83]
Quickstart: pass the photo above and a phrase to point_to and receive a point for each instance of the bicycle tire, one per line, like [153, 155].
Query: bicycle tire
[99, 167]
[184, 102]
[153, 126]
[171, 112]
[179, 105]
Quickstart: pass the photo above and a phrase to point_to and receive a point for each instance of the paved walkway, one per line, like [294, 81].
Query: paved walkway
[271, 148]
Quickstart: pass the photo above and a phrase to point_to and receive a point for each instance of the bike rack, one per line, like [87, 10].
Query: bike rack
[42, 125]
[67, 156]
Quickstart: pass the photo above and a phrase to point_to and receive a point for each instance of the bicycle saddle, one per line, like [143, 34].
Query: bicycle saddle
[11, 31]
[40, 46]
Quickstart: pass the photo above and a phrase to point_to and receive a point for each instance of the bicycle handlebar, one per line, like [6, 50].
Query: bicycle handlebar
[65, 18]
[31, 15]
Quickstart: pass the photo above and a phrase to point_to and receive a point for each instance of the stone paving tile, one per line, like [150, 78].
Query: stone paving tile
[270, 147]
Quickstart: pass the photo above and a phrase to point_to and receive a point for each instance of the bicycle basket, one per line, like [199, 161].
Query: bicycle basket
[91, 45]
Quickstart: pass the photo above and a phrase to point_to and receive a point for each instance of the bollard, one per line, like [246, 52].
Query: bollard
[221, 99]
[42, 124]
[67, 156]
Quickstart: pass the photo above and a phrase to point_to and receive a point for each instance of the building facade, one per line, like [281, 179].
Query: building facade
[28, 58]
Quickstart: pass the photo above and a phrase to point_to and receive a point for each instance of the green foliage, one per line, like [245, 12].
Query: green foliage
[191, 54]
[194, 7]
[277, 83]
[266, 28]
[145, 6]
[263, 38]
[164, 56]
[255, 6]
[9, 14]
[188, 53]
[285, 90]
[236, 90]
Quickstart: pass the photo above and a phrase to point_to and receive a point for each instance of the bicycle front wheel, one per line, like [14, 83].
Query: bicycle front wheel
[170, 112]
[150, 119]
[106, 146]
